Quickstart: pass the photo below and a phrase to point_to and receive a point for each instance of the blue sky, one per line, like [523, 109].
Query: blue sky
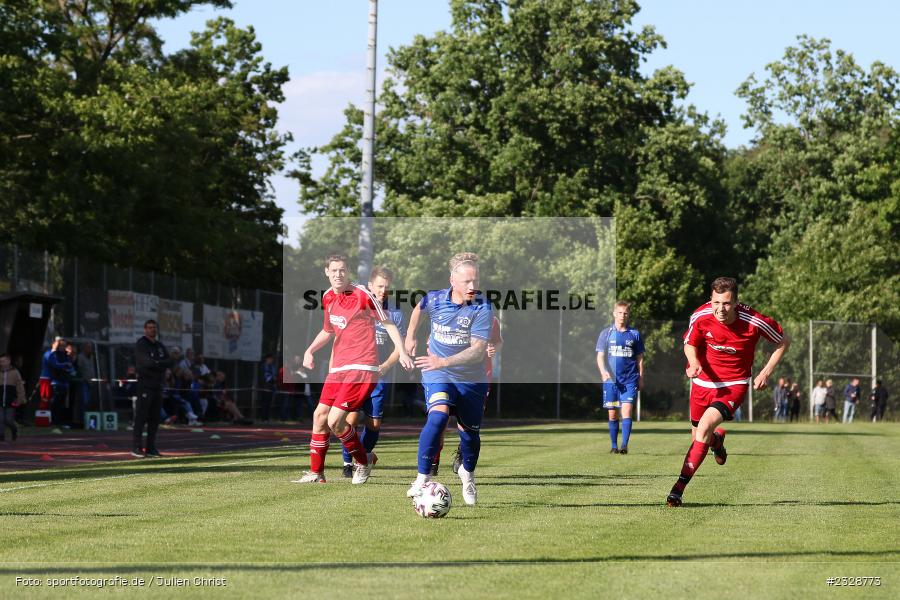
[717, 44]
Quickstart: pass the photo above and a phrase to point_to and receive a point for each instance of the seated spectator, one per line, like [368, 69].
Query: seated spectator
[199, 367]
[186, 361]
[175, 402]
[198, 395]
[226, 403]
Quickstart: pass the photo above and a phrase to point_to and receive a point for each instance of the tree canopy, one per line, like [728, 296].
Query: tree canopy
[111, 149]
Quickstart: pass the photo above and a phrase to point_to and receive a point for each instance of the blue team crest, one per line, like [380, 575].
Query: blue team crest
[629, 342]
[463, 321]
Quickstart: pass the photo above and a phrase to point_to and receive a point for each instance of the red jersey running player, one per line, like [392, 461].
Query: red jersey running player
[719, 345]
[350, 315]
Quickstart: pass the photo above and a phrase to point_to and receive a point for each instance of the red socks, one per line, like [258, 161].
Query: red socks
[318, 448]
[351, 442]
[692, 461]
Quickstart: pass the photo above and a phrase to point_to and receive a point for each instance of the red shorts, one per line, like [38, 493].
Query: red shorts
[724, 399]
[45, 389]
[348, 390]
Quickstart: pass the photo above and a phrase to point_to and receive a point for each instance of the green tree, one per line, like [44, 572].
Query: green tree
[120, 153]
[821, 181]
[539, 108]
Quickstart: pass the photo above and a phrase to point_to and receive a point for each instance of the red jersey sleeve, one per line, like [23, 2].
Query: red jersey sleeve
[768, 327]
[373, 306]
[693, 336]
[327, 299]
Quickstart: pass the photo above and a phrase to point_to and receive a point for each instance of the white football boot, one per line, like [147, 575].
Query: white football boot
[310, 477]
[470, 492]
[361, 473]
[416, 488]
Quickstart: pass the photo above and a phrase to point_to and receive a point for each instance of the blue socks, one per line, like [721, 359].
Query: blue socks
[470, 448]
[614, 432]
[626, 431]
[369, 438]
[430, 440]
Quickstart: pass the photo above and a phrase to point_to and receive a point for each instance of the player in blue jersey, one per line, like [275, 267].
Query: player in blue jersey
[380, 285]
[453, 369]
[620, 357]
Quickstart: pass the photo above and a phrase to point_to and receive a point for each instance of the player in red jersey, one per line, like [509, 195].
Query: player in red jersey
[350, 312]
[719, 345]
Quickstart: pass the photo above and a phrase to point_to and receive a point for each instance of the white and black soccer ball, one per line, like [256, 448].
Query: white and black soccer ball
[434, 501]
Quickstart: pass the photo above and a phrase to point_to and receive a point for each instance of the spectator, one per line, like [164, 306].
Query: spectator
[818, 399]
[13, 395]
[879, 398]
[176, 403]
[851, 399]
[268, 386]
[197, 395]
[186, 361]
[794, 402]
[226, 403]
[60, 372]
[830, 402]
[199, 367]
[779, 398]
[286, 391]
[87, 370]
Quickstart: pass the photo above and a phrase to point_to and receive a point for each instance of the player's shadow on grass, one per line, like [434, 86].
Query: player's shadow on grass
[154, 569]
[577, 476]
[639, 430]
[687, 505]
[54, 514]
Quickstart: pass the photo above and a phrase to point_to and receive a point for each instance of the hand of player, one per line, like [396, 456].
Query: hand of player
[605, 377]
[760, 382]
[410, 346]
[491, 350]
[429, 362]
[308, 361]
[405, 361]
[693, 370]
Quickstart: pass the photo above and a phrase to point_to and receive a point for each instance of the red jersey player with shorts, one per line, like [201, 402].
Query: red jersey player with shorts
[719, 345]
[350, 313]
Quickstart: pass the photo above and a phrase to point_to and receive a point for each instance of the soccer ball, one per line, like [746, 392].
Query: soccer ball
[433, 502]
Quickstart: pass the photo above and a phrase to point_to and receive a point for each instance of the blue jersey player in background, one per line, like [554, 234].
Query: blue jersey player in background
[620, 357]
[380, 285]
[453, 372]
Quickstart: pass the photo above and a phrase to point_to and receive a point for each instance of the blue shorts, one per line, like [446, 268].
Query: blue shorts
[466, 401]
[616, 394]
[374, 404]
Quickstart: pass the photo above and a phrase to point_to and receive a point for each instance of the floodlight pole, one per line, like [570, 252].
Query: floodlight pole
[368, 151]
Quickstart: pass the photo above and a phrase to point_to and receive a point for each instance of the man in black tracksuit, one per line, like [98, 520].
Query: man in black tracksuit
[152, 360]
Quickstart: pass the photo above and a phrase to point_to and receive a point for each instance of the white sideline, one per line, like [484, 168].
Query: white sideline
[76, 480]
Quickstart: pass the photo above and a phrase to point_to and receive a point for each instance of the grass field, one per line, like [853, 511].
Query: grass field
[557, 516]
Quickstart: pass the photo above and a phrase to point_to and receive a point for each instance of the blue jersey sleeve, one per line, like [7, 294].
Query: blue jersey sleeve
[481, 325]
[399, 321]
[603, 339]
